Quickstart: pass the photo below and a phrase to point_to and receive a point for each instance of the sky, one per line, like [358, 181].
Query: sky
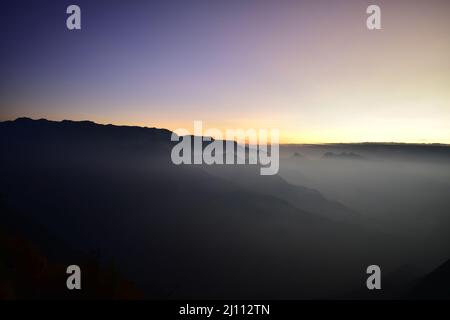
[311, 69]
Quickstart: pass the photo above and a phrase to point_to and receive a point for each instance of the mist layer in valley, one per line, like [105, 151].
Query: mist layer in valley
[398, 188]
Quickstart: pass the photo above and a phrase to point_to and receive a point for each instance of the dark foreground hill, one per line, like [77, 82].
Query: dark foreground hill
[434, 285]
[177, 231]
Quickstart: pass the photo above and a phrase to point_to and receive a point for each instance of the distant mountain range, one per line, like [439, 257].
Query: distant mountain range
[177, 231]
[342, 155]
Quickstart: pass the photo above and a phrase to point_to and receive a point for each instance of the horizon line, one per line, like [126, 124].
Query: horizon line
[281, 143]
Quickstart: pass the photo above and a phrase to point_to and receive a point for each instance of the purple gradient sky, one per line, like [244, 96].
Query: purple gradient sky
[309, 68]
